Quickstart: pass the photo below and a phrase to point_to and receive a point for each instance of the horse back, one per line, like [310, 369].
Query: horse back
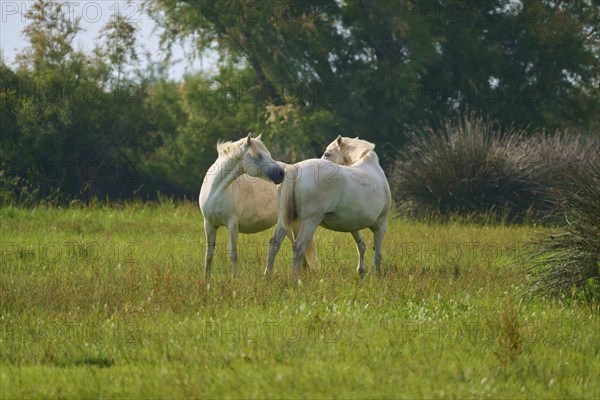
[346, 197]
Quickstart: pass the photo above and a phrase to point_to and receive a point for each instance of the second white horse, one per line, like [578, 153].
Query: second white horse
[346, 191]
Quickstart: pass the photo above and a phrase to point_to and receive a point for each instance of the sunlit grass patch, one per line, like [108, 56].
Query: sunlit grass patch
[113, 302]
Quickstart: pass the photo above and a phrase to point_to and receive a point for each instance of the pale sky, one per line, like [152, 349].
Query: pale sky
[94, 15]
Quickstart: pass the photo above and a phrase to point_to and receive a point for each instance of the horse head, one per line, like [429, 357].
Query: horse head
[257, 160]
[347, 151]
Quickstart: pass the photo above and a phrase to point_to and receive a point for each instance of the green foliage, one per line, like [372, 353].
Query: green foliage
[471, 165]
[71, 127]
[194, 115]
[50, 32]
[570, 257]
[300, 72]
[388, 64]
[117, 48]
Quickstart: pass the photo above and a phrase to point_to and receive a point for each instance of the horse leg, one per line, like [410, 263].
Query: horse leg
[211, 235]
[310, 256]
[361, 247]
[378, 234]
[274, 245]
[233, 239]
[307, 230]
[311, 251]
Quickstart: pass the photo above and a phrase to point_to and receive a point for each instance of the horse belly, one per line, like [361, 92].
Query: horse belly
[257, 223]
[347, 223]
[256, 206]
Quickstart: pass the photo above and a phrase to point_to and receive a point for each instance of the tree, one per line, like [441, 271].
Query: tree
[116, 49]
[70, 131]
[391, 64]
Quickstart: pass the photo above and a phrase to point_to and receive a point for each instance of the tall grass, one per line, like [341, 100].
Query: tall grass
[570, 257]
[472, 166]
[109, 301]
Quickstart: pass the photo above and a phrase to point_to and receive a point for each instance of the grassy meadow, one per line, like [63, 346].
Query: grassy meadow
[111, 301]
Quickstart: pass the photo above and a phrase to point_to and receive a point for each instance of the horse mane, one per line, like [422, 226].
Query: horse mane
[232, 149]
[357, 149]
[228, 148]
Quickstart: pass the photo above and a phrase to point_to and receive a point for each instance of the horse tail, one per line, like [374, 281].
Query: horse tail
[287, 205]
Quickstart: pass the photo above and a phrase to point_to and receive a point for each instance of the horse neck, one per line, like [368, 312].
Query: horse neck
[226, 171]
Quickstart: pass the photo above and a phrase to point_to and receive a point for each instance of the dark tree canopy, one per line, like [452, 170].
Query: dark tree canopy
[299, 71]
[378, 66]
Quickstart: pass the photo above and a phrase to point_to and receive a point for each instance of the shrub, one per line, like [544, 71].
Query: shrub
[460, 168]
[570, 256]
[472, 166]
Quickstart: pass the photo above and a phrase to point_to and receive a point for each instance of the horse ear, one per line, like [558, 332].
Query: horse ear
[259, 137]
[249, 139]
[339, 140]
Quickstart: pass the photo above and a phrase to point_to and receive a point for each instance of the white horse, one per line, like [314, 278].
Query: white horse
[234, 195]
[346, 191]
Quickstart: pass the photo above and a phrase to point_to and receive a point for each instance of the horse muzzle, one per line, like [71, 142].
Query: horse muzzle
[277, 174]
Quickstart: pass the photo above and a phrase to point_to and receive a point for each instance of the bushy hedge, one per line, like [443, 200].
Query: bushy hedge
[570, 257]
[472, 166]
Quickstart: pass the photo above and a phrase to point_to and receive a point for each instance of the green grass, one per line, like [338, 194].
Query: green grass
[112, 302]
